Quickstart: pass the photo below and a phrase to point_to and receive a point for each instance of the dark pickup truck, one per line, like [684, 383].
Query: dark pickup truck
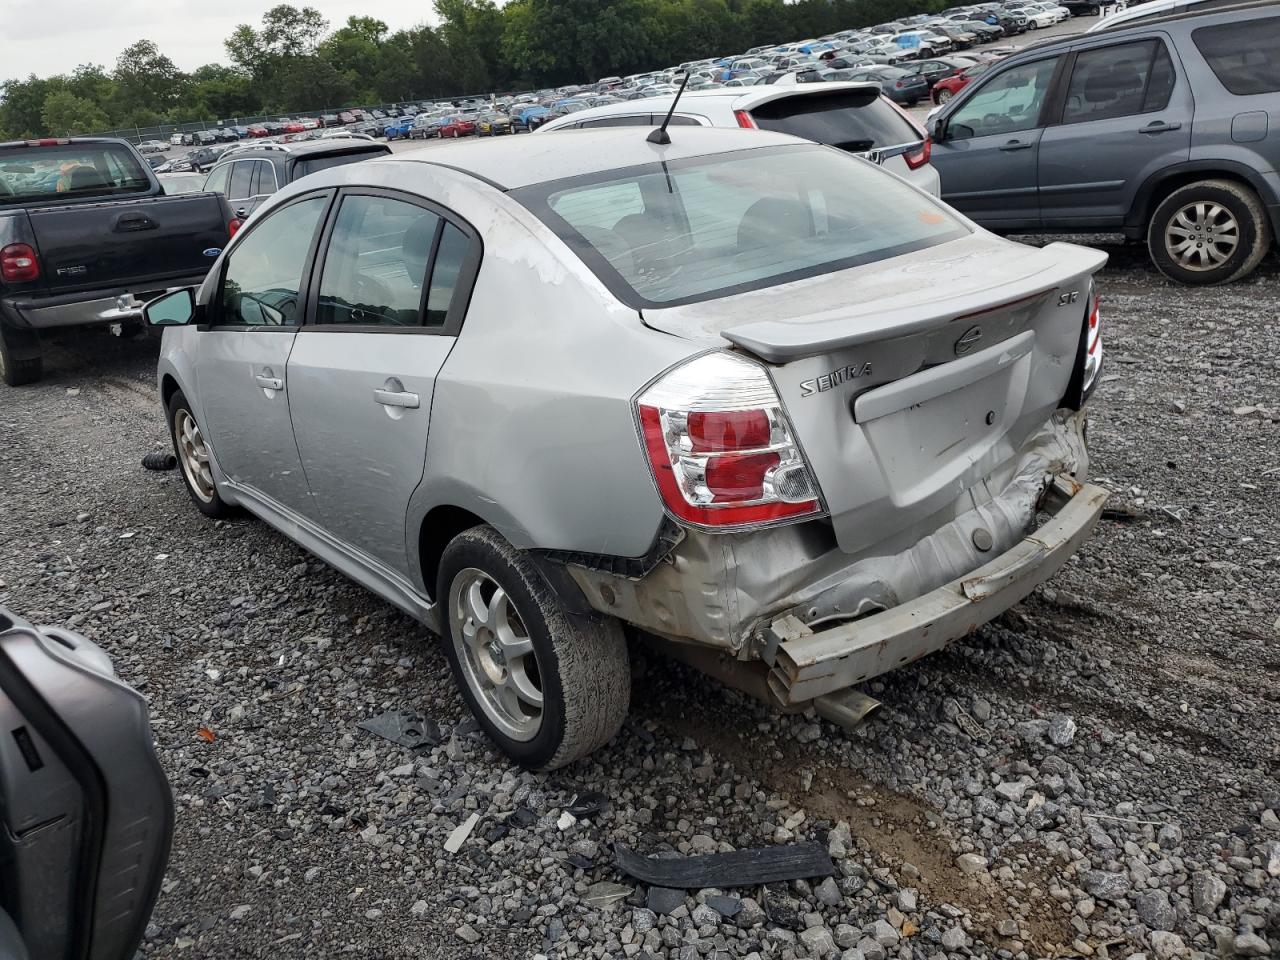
[87, 236]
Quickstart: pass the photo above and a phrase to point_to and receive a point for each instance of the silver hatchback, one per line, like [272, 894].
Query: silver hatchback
[758, 398]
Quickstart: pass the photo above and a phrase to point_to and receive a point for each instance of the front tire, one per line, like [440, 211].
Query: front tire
[944, 96]
[194, 461]
[548, 686]
[1210, 232]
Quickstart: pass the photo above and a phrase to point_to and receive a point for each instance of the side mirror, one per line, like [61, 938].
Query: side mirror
[934, 125]
[172, 310]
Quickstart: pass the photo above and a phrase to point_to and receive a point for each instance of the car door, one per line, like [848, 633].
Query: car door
[241, 356]
[986, 145]
[393, 285]
[1126, 114]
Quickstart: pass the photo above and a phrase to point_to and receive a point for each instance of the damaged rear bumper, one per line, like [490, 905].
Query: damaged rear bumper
[805, 664]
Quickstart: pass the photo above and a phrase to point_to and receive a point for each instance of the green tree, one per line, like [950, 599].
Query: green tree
[65, 114]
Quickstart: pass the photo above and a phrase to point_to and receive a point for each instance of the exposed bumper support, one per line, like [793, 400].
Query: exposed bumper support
[814, 664]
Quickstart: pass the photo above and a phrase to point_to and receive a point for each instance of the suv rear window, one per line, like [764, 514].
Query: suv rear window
[855, 120]
[307, 165]
[1243, 54]
[69, 171]
[707, 227]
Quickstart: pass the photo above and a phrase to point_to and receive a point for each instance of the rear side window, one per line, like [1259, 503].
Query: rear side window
[69, 171]
[1242, 55]
[854, 120]
[1119, 81]
[241, 181]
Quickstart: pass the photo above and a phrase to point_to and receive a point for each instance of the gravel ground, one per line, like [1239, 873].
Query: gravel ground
[1095, 774]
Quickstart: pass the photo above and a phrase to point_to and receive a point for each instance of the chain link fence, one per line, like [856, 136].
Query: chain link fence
[164, 131]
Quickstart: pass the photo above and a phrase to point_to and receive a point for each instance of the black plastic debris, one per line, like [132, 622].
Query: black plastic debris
[406, 729]
[662, 900]
[741, 868]
[587, 805]
[159, 461]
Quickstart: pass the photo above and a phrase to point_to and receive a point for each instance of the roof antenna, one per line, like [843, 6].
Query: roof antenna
[660, 135]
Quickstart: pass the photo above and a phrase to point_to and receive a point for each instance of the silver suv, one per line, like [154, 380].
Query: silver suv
[1166, 130]
[751, 395]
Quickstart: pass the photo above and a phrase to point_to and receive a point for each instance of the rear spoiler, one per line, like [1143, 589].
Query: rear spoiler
[781, 341]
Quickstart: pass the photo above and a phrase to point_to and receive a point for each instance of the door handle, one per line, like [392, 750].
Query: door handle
[1015, 145]
[396, 398]
[270, 383]
[1159, 126]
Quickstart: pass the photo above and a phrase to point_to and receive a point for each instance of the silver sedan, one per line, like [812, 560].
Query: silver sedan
[759, 399]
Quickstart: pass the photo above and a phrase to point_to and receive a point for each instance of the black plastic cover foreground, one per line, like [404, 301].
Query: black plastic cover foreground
[87, 812]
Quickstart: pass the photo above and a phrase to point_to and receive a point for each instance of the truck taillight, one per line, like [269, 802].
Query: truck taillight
[721, 449]
[233, 226]
[19, 263]
[918, 158]
[744, 119]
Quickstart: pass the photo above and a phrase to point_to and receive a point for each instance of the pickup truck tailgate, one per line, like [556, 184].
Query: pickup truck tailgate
[128, 243]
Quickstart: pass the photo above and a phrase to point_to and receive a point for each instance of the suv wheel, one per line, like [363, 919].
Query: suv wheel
[548, 686]
[193, 458]
[1214, 231]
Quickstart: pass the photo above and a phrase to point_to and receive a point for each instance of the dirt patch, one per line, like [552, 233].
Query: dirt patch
[895, 829]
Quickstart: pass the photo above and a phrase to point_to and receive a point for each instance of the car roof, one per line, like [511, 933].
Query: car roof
[742, 98]
[512, 162]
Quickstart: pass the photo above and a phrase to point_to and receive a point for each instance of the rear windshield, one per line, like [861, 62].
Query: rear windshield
[690, 230]
[1243, 54]
[849, 119]
[69, 171]
[314, 164]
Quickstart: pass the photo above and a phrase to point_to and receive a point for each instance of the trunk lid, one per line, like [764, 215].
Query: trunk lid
[128, 243]
[910, 380]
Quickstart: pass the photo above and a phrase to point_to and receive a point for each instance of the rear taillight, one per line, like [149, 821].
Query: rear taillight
[19, 263]
[720, 447]
[1093, 346]
[233, 226]
[744, 119]
[918, 158]
[900, 84]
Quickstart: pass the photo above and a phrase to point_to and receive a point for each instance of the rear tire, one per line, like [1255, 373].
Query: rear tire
[1210, 232]
[548, 686]
[20, 360]
[944, 96]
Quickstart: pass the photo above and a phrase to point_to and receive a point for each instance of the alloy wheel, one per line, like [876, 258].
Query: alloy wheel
[1202, 236]
[193, 455]
[495, 651]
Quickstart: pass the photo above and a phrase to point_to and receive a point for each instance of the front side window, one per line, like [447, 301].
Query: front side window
[376, 263]
[664, 234]
[263, 275]
[1009, 103]
[1242, 55]
[1119, 81]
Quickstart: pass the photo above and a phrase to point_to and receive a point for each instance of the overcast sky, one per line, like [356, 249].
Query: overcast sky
[55, 36]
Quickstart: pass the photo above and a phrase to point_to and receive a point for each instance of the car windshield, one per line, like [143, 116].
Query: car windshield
[690, 230]
[69, 171]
